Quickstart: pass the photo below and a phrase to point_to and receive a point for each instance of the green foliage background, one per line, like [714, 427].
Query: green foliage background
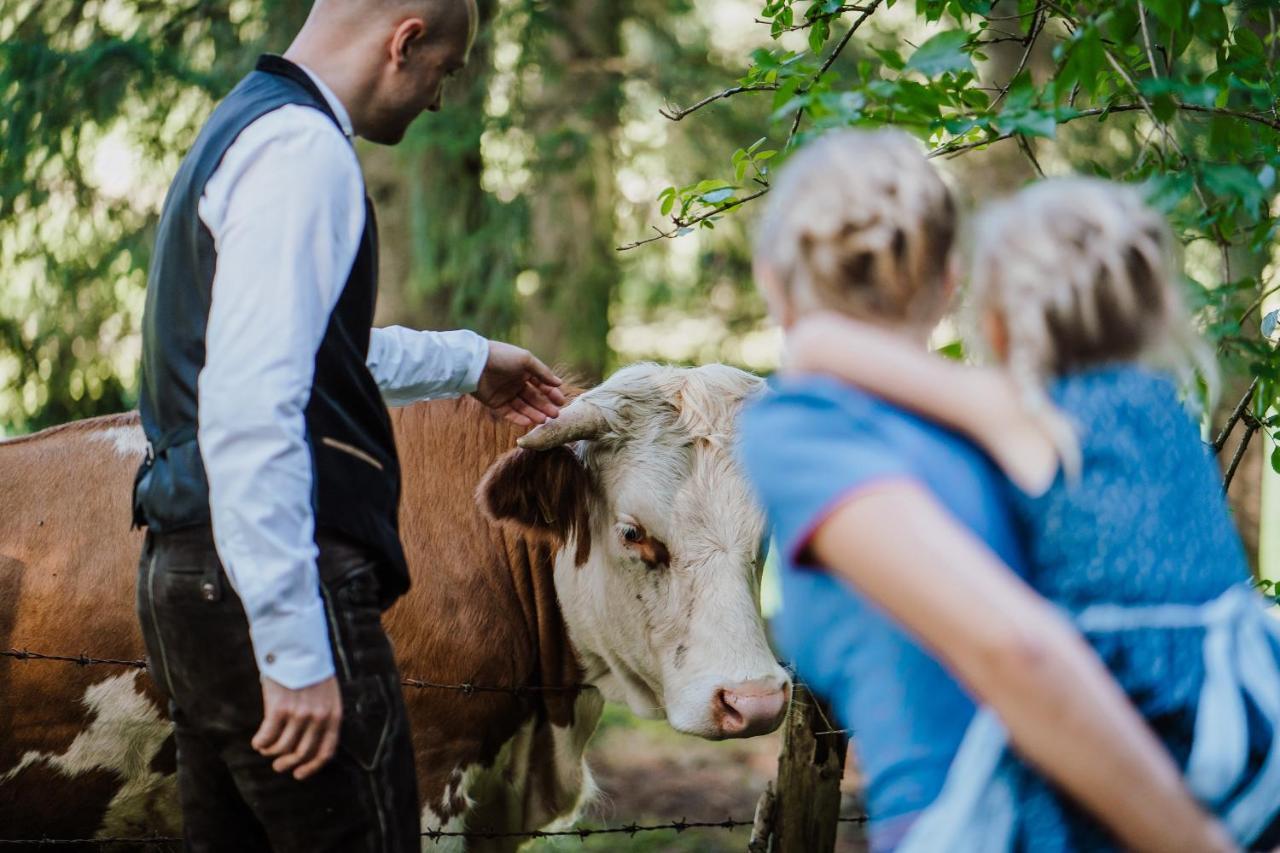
[505, 212]
[1177, 96]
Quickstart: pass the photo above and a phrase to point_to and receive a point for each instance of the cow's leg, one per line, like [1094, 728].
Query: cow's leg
[538, 781]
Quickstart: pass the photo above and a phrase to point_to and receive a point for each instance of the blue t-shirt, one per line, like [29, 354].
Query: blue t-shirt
[808, 448]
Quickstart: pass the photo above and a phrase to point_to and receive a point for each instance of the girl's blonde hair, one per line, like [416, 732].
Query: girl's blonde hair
[860, 223]
[1083, 273]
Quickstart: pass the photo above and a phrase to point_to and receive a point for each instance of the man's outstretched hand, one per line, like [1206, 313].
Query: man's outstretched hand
[517, 386]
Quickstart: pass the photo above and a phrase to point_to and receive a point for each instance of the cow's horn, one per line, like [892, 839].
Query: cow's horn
[581, 419]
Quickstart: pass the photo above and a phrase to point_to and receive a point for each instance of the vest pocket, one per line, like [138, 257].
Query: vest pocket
[351, 450]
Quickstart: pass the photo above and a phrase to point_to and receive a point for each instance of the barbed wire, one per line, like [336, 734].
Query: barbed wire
[466, 688]
[434, 835]
[581, 833]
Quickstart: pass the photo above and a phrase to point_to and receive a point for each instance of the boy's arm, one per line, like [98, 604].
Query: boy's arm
[981, 403]
[1063, 711]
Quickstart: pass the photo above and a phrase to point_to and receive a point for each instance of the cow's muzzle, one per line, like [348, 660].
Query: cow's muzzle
[750, 708]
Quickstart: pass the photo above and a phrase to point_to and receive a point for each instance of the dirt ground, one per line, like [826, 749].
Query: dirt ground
[649, 774]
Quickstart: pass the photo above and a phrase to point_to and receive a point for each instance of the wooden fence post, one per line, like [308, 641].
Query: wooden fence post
[806, 808]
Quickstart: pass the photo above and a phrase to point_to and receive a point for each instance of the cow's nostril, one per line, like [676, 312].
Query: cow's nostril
[750, 708]
[728, 717]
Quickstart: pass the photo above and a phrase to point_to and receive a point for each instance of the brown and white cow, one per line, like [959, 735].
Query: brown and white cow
[619, 546]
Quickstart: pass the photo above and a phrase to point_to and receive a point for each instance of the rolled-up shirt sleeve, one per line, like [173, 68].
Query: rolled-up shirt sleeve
[411, 365]
[286, 210]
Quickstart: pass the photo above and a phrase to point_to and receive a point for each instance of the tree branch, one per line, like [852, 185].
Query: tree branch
[835, 54]
[693, 220]
[1037, 24]
[816, 18]
[1236, 414]
[1250, 428]
[678, 113]
[1146, 40]
[1025, 145]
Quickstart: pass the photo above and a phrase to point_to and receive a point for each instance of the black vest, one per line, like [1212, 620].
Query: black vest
[356, 475]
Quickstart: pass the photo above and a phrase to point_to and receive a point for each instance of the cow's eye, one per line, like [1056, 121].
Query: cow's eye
[652, 552]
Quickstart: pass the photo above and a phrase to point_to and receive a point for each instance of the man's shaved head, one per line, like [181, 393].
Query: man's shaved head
[387, 59]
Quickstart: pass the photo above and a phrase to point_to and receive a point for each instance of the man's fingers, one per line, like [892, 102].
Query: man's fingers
[269, 731]
[308, 743]
[287, 739]
[543, 373]
[328, 746]
[528, 411]
[534, 397]
[510, 414]
[552, 393]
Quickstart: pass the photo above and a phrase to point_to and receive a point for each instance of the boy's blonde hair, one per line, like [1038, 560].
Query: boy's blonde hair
[860, 223]
[1083, 273]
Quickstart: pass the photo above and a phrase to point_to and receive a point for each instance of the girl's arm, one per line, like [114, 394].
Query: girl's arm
[1063, 711]
[978, 402]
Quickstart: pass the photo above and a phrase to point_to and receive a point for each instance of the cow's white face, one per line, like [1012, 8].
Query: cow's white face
[659, 576]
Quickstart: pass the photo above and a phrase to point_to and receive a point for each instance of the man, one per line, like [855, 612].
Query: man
[271, 490]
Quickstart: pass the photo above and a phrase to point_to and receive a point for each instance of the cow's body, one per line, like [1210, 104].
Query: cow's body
[86, 750]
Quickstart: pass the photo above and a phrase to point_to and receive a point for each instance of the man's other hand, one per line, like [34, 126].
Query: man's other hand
[517, 386]
[299, 727]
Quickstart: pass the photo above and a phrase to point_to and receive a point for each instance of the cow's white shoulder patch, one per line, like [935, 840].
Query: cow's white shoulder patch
[129, 441]
[458, 823]
[124, 736]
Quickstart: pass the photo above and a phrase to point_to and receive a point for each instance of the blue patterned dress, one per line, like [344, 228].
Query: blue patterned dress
[1142, 554]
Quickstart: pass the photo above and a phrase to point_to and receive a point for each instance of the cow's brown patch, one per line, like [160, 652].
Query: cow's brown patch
[10, 589]
[40, 801]
[545, 491]
[165, 761]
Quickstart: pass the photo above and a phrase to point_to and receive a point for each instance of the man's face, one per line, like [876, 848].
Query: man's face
[423, 53]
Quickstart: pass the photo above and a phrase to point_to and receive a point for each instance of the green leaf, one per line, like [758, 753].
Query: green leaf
[953, 350]
[818, 35]
[1235, 182]
[1172, 13]
[718, 196]
[1275, 460]
[942, 53]
[703, 187]
[1030, 123]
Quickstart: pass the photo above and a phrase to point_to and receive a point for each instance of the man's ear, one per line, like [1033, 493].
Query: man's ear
[405, 37]
[544, 492]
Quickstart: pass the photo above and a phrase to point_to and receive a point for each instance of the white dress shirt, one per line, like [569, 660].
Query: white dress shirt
[286, 211]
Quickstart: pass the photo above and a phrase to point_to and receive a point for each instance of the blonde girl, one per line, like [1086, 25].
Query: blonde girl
[1128, 533]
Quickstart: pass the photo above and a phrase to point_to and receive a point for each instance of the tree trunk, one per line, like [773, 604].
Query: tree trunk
[450, 251]
[574, 112]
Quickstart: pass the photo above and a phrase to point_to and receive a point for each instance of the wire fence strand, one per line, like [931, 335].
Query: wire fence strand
[435, 835]
[581, 833]
[466, 688]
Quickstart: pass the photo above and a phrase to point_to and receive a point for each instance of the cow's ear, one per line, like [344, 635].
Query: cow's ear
[546, 492]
